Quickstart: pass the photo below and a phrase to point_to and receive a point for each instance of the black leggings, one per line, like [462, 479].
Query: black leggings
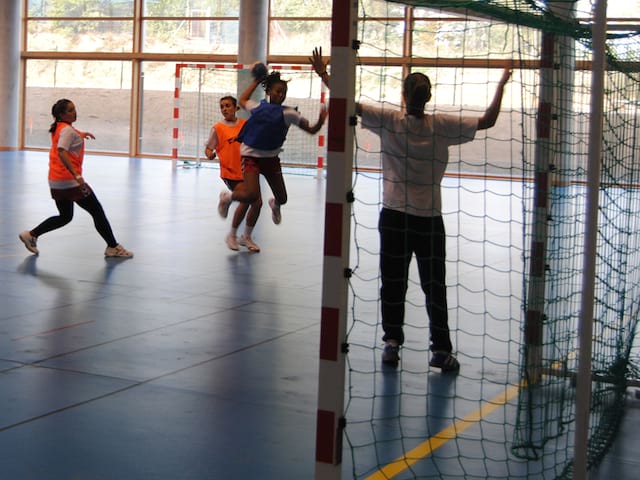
[402, 235]
[65, 207]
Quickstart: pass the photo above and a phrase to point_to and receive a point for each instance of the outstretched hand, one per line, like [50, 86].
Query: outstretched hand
[506, 74]
[318, 64]
[490, 116]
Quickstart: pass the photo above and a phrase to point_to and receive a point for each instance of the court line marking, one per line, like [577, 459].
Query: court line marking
[52, 331]
[418, 453]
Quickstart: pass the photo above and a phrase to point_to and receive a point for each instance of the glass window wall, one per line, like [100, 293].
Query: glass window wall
[194, 35]
[189, 8]
[156, 106]
[75, 36]
[103, 53]
[101, 91]
[83, 9]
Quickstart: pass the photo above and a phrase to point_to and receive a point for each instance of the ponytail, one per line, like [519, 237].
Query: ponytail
[57, 111]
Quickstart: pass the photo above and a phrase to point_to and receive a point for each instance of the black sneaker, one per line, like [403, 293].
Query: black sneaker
[445, 362]
[390, 354]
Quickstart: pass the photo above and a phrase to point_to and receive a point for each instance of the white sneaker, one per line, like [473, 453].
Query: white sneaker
[232, 242]
[249, 243]
[29, 241]
[117, 251]
[224, 203]
[276, 216]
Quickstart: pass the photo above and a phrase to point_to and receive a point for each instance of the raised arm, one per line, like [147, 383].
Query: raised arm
[319, 65]
[490, 116]
[246, 95]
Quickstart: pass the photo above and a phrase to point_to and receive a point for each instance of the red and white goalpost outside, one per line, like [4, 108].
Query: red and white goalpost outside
[199, 87]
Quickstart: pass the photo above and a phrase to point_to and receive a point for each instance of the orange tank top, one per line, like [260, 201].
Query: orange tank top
[228, 149]
[57, 170]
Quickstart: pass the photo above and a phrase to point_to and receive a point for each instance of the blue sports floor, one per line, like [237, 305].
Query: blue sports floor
[187, 362]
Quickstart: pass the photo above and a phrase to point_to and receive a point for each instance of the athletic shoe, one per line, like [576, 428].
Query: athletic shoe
[232, 242]
[118, 251]
[29, 241]
[248, 242]
[390, 353]
[444, 361]
[276, 216]
[224, 203]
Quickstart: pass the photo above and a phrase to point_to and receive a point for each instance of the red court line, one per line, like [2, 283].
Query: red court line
[54, 330]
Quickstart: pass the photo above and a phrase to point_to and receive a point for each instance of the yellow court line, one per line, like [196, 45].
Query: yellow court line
[425, 448]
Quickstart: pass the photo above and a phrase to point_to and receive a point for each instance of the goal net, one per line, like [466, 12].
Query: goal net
[514, 205]
[199, 88]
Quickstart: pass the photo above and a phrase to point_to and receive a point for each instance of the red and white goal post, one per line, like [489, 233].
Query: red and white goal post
[199, 88]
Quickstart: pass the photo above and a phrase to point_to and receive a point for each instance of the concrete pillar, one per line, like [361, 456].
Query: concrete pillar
[9, 73]
[252, 39]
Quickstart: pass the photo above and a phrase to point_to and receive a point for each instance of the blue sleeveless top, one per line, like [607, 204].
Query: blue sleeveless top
[265, 129]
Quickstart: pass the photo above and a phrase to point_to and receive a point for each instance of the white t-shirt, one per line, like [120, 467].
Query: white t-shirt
[291, 117]
[415, 154]
[70, 140]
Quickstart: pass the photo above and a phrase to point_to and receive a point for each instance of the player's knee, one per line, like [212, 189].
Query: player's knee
[253, 197]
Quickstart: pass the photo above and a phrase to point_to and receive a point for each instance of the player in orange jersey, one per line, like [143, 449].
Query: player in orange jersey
[222, 142]
[67, 184]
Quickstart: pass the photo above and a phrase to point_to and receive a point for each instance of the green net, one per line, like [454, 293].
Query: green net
[547, 408]
[532, 436]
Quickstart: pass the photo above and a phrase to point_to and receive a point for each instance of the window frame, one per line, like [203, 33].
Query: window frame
[137, 56]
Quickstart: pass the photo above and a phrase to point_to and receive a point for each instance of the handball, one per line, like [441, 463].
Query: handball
[259, 70]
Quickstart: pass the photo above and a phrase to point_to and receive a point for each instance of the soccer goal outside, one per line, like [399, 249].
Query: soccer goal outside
[199, 88]
[517, 203]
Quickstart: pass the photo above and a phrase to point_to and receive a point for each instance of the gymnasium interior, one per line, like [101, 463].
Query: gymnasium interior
[192, 361]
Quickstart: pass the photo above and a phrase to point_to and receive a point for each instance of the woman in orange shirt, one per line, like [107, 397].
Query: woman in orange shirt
[222, 141]
[67, 184]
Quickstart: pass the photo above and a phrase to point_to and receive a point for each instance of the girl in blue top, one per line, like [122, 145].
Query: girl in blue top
[262, 138]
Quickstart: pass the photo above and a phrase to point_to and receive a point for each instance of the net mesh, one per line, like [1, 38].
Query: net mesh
[489, 422]
[199, 88]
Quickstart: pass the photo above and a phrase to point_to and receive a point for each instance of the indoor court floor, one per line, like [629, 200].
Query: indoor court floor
[187, 362]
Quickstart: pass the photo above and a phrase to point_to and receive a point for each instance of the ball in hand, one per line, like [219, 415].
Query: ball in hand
[259, 70]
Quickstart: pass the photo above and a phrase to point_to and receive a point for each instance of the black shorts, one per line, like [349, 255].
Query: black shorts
[231, 184]
[74, 193]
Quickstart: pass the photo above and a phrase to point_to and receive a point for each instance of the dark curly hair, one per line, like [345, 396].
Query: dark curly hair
[272, 79]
